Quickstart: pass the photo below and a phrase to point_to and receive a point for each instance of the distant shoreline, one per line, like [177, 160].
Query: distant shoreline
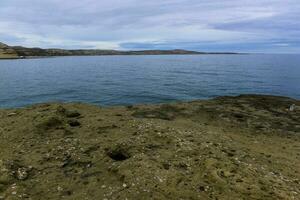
[37, 57]
[19, 52]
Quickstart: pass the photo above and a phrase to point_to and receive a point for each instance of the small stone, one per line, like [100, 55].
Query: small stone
[59, 188]
[201, 188]
[239, 180]
[292, 107]
[124, 185]
[22, 173]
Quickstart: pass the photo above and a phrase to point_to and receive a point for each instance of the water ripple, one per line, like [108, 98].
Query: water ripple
[123, 80]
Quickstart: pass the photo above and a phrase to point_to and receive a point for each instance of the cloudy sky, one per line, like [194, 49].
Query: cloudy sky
[270, 26]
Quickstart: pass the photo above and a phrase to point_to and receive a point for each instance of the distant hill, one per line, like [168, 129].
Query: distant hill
[7, 52]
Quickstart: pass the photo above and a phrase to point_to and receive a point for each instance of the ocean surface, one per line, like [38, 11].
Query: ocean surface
[125, 80]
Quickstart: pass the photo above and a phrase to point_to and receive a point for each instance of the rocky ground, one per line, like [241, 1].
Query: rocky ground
[245, 147]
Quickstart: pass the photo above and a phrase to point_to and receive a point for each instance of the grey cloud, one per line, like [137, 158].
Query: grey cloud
[90, 23]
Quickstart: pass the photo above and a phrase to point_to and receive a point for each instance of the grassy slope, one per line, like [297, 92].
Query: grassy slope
[243, 147]
[6, 52]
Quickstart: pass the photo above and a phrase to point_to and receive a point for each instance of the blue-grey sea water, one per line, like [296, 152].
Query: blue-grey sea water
[124, 80]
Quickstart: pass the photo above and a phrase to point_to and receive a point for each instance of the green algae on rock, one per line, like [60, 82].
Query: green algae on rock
[244, 147]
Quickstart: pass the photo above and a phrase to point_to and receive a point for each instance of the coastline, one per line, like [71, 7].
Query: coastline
[244, 147]
[57, 56]
[19, 52]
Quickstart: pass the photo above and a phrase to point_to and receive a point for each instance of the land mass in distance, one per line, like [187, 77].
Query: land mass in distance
[15, 52]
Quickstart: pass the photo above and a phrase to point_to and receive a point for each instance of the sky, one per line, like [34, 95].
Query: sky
[260, 26]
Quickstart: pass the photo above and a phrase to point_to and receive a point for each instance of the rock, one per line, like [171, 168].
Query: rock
[201, 188]
[67, 113]
[61, 109]
[72, 113]
[292, 107]
[149, 157]
[225, 174]
[22, 173]
[11, 114]
[49, 123]
[74, 123]
[166, 166]
[129, 106]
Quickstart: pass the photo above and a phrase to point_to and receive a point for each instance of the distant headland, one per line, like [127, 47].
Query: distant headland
[17, 52]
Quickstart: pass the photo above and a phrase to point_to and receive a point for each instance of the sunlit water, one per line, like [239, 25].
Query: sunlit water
[123, 80]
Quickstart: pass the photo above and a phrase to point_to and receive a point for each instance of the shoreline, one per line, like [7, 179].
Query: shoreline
[150, 104]
[37, 57]
[242, 147]
[19, 52]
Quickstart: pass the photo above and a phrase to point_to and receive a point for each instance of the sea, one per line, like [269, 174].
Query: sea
[145, 79]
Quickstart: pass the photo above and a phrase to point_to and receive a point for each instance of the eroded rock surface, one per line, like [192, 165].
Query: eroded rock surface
[245, 147]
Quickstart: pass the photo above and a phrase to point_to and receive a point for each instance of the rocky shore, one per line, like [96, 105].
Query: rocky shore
[245, 147]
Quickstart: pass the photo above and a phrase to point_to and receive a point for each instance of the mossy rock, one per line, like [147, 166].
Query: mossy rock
[73, 123]
[52, 122]
[67, 113]
[72, 113]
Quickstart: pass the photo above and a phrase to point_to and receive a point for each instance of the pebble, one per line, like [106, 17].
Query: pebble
[59, 188]
[292, 107]
[22, 173]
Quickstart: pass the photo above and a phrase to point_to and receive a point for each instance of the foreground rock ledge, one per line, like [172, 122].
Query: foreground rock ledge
[245, 147]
